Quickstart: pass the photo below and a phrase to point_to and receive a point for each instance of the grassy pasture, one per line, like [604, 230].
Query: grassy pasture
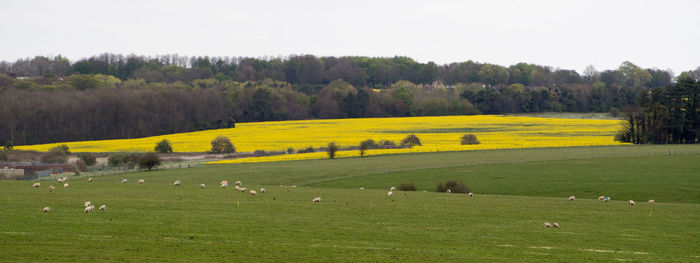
[158, 222]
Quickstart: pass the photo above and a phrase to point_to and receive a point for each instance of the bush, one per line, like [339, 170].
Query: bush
[148, 161]
[307, 150]
[290, 150]
[88, 159]
[407, 187]
[410, 141]
[366, 144]
[81, 165]
[63, 148]
[9, 146]
[55, 155]
[332, 148]
[116, 160]
[222, 144]
[469, 139]
[386, 143]
[164, 146]
[453, 186]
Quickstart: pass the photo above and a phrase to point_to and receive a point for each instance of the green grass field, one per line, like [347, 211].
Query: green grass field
[517, 190]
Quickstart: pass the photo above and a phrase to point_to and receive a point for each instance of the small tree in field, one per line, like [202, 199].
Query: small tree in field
[164, 146]
[222, 144]
[332, 148]
[88, 159]
[468, 139]
[410, 141]
[148, 161]
[366, 144]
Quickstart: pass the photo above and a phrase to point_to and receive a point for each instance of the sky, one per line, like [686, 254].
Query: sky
[562, 34]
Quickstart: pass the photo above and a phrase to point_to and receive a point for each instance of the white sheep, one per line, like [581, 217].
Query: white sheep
[90, 209]
[237, 187]
[177, 183]
[362, 188]
[471, 194]
[555, 225]
[252, 192]
[140, 181]
[262, 190]
[572, 198]
[317, 200]
[59, 180]
[224, 185]
[36, 185]
[90, 180]
[390, 193]
[202, 186]
[103, 208]
[630, 202]
[124, 181]
[237, 183]
[651, 201]
[88, 203]
[547, 225]
[224, 182]
[393, 188]
[449, 191]
[66, 185]
[51, 188]
[242, 189]
[47, 209]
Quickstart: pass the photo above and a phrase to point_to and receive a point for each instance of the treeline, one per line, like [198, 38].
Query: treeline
[665, 115]
[112, 96]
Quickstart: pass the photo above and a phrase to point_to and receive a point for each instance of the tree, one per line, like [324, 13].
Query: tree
[88, 159]
[164, 146]
[332, 148]
[9, 146]
[410, 141]
[222, 144]
[64, 148]
[55, 155]
[469, 139]
[148, 161]
[365, 145]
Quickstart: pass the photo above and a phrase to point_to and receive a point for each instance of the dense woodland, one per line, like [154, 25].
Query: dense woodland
[51, 99]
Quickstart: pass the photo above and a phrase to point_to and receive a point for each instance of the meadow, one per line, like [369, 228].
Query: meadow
[516, 191]
[436, 134]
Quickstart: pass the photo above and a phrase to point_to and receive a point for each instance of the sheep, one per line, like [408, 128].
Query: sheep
[202, 186]
[555, 225]
[59, 180]
[47, 209]
[237, 183]
[90, 209]
[224, 182]
[140, 181]
[224, 185]
[651, 201]
[103, 208]
[362, 188]
[252, 192]
[242, 189]
[547, 225]
[630, 202]
[471, 194]
[393, 188]
[90, 180]
[66, 185]
[390, 193]
[572, 198]
[51, 188]
[36, 185]
[177, 183]
[124, 181]
[449, 191]
[262, 190]
[317, 200]
[88, 203]
[237, 187]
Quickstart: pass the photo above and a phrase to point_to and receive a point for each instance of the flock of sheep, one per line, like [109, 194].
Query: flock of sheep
[601, 198]
[88, 205]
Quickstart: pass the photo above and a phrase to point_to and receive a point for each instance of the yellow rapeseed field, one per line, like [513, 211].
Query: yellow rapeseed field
[436, 133]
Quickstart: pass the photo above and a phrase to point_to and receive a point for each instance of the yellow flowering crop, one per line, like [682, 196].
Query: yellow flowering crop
[436, 133]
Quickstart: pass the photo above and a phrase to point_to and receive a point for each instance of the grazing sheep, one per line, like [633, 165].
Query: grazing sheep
[262, 190]
[90, 209]
[317, 200]
[449, 191]
[177, 183]
[471, 194]
[51, 188]
[252, 192]
[224, 182]
[224, 185]
[66, 185]
[237, 188]
[124, 181]
[572, 198]
[390, 193]
[60, 180]
[237, 183]
[202, 186]
[242, 189]
[88, 203]
[393, 188]
[630, 202]
[36, 185]
[140, 181]
[90, 180]
[651, 201]
[362, 188]
[555, 225]
[547, 225]
[47, 209]
[103, 208]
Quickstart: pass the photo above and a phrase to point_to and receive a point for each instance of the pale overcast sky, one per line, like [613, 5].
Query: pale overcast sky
[562, 34]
